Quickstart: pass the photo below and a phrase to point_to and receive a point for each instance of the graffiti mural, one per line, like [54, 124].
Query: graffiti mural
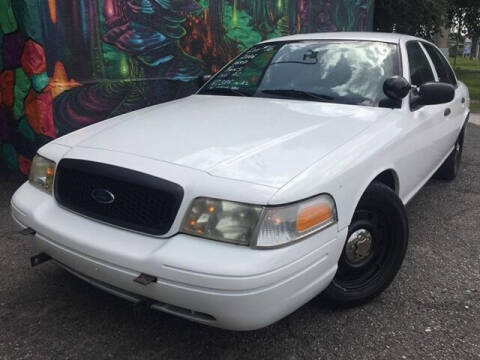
[69, 64]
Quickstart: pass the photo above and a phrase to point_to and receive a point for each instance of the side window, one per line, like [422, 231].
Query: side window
[420, 70]
[444, 71]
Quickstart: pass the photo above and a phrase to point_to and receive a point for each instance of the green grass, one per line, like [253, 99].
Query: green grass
[468, 71]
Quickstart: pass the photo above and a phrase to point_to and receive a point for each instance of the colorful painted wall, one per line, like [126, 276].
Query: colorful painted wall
[66, 64]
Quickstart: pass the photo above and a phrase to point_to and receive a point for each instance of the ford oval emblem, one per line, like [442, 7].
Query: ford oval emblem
[103, 196]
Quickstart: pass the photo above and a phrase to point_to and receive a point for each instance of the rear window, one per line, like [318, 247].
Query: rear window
[444, 71]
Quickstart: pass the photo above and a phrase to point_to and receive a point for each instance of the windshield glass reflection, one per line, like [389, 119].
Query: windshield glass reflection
[348, 72]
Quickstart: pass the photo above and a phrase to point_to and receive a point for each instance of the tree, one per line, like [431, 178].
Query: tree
[472, 23]
[465, 18]
[420, 18]
[260, 17]
[222, 43]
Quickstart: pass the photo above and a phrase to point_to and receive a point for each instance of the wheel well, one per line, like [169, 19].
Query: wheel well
[388, 178]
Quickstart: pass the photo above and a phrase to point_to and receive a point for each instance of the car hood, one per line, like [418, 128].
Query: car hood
[258, 140]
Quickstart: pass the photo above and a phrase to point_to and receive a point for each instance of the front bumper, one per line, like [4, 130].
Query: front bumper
[218, 284]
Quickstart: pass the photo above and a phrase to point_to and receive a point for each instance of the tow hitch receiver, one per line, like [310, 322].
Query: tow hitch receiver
[145, 279]
[39, 259]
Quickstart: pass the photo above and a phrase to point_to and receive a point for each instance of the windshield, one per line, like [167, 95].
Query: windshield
[348, 72]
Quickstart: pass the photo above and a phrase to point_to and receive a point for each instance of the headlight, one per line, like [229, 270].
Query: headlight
[258, 226]
[222, 220]
[42, 173]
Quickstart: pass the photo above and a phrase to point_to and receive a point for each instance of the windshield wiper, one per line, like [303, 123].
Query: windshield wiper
[298, 94]
[224, 91]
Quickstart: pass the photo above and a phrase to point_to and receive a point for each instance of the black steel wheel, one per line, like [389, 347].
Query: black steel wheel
[374, 249]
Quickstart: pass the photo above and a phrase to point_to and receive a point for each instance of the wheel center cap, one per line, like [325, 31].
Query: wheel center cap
[359, 246]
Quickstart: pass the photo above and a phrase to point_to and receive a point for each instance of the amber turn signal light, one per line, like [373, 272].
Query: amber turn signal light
[313, 215]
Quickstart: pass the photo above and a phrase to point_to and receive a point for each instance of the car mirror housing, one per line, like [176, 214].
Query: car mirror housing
[433, 93]
[396, 87]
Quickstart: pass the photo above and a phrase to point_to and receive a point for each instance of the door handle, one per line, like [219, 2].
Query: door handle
[463, 100]
[447, 112]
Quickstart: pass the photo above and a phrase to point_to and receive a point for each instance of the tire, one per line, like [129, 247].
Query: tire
[449, 169]
[381, 221]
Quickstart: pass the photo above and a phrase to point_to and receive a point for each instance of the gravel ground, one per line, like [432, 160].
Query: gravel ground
[431, 311]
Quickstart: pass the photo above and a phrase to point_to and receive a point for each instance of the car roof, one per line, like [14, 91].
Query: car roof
[365, 36]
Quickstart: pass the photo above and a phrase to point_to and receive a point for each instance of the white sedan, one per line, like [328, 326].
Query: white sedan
[285, 176]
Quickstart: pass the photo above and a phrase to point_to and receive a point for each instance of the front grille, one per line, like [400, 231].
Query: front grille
[118, 196]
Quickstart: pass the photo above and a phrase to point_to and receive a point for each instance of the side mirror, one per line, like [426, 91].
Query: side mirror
[396, 87]
[202, 80]
[433, 93]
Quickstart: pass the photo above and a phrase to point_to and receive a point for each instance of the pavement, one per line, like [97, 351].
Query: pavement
[475, 119]
[431, 311]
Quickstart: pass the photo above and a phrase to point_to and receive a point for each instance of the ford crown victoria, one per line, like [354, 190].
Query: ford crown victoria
[285, 176]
